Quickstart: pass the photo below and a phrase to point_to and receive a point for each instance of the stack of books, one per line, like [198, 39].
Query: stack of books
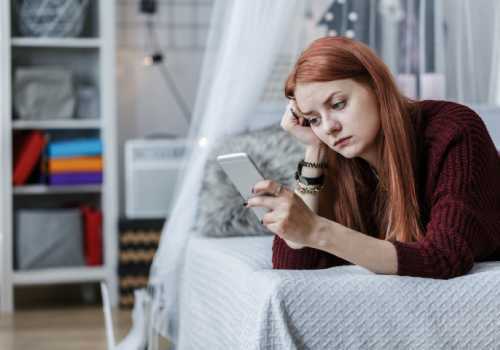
[75, 162]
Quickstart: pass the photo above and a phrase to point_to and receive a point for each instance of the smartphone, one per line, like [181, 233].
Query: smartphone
[243, 172]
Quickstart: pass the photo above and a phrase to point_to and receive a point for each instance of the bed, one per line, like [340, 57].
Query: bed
[232, 299]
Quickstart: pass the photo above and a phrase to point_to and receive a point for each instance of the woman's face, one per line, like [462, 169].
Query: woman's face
[338, 109]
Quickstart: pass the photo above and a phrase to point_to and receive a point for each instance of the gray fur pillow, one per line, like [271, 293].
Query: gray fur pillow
[220, 212]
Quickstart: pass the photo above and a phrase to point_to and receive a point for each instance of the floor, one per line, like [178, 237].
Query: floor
[61, 328]
[61, 317]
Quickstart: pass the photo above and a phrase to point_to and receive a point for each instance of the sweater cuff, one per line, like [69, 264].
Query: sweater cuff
[411, 262]
[285, 257]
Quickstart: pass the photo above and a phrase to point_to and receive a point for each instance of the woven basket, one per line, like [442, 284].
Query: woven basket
[51, 18]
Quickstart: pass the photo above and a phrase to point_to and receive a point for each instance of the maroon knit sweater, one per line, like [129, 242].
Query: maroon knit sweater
[458, 185]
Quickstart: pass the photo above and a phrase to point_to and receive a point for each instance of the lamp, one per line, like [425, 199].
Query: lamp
[156, 58]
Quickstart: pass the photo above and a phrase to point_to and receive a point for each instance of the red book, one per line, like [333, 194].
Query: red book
[28, 148]
[92, 230]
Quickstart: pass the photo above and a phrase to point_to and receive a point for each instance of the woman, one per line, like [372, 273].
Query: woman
[394, 185]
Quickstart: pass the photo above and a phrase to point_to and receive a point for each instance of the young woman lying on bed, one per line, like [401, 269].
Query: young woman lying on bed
[388, 183]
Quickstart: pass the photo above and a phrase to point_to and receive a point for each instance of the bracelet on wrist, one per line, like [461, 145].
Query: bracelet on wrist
[310, 165]
[302, 191]
[303, 188]
[323, 165]
[319, 180]
[303, 185]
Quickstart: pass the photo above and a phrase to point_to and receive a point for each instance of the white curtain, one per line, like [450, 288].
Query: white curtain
[472, 50]
[461, 53]
[244, 39]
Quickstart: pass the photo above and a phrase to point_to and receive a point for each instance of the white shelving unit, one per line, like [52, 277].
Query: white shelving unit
[56, 124]
[57, 42]
[91, 58]
[60, 275]
[43, 189]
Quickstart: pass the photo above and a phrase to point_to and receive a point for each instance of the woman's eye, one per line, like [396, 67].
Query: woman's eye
[339, 105]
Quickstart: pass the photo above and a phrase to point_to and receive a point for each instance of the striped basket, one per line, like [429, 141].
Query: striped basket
[139, 240]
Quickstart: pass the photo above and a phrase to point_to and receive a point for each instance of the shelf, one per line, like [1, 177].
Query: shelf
[91, 58]
[80, 43]
[57, 124]
[60, 275]
[44, 189]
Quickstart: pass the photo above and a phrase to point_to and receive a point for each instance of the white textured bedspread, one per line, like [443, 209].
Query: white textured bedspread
[232, 299]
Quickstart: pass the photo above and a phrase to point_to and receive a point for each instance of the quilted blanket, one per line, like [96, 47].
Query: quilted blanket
[232, 299]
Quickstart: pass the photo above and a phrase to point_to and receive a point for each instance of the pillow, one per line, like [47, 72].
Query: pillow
[220, 212]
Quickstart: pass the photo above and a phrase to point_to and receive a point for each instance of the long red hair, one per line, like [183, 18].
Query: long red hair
[396, 210]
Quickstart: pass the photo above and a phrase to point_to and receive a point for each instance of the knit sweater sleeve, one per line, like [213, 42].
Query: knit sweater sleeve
[305, 258]
[464, 222]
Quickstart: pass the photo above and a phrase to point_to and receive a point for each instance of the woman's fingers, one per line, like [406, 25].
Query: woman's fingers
[268, 186]
[268, 218]
[297, 125]
[288, 121]
[300, 120]
[267, 202]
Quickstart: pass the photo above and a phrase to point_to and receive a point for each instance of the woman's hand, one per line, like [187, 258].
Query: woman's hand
[298, 126]
[289, 217]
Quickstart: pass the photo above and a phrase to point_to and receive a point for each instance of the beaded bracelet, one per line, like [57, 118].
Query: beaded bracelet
[310, 180]
[308, 186]
[323, 165]
[319, 180]
[304, 188]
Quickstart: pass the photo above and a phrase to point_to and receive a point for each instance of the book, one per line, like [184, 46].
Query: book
[28, 148]
[75, 178]
[92, 231]
[75, 148]
[77, 164]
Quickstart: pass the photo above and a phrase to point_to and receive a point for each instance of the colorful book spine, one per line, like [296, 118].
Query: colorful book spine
[76, 164]
[27, 151]
[75, 148]
[75, 178]
[92, 222]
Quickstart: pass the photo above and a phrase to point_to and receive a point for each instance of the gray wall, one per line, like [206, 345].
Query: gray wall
[145, 102]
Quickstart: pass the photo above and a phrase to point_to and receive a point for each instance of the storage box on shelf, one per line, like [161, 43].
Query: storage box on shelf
[60, 181]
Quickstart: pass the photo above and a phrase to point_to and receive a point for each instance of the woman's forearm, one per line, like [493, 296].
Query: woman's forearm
[374, 254]
[314, 155]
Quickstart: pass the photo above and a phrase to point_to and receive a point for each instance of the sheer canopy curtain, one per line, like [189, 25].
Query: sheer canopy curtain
[244, 39]
[470, 59]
